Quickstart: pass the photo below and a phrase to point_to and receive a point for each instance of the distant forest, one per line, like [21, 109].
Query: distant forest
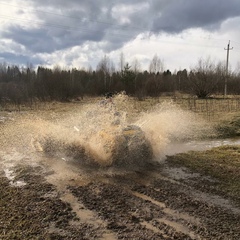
[27, 85]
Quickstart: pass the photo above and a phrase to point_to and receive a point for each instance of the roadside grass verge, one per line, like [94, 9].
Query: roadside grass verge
[230, 128]
[221, 163]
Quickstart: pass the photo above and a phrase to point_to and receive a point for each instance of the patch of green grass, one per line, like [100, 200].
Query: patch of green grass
[222, 163]
[229, 128]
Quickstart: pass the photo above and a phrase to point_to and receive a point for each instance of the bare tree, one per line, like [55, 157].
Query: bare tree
[136, 66]
[205, 77]
[237, 70]
[121, 62]
[156, 65]
[106, 66]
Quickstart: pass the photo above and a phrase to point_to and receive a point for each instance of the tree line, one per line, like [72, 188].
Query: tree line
[26, 84]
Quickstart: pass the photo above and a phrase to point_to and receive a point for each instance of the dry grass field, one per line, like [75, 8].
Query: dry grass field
[212, 109]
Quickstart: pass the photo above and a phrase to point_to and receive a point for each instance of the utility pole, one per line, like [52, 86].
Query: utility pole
[226, 77]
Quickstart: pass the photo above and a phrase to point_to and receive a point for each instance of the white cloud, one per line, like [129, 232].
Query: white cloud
[8, 45]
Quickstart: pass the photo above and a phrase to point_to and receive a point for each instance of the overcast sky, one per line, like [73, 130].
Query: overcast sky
[78, 33]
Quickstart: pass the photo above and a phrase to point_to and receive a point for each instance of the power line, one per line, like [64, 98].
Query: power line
[76, 18]
[59, 26]
[238, 43]
[88, 30]
[123, 34]
[100, 22]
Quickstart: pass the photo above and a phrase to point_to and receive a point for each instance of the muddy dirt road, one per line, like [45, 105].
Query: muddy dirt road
[53, 196]
[89, 203]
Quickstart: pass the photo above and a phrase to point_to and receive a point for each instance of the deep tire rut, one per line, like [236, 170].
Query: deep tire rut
[158, 209]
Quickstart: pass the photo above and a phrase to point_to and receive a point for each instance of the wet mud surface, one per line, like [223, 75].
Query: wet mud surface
[52, 196]
[149, 203]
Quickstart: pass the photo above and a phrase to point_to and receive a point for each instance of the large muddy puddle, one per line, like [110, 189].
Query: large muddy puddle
[197, 145]
[104, 133]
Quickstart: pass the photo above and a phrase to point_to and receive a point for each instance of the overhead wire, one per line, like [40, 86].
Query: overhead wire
[87, 30]
[60, 26]
[76, 18]
[123, 28]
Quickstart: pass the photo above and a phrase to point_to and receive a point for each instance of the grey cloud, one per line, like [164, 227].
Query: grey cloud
[49, 39]
[74, 22]
[95, 20]
[34, 40]
[83, 9]
[19, 59]
[162, 16]
[177, 16]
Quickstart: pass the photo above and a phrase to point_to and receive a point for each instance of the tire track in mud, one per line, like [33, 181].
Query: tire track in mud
[133, 204]
[158, 209]
[171, 216]
[142, 204]
[64, 174]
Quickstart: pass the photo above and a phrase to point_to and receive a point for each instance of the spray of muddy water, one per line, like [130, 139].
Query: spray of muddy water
[102, 132]
[167, 124]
